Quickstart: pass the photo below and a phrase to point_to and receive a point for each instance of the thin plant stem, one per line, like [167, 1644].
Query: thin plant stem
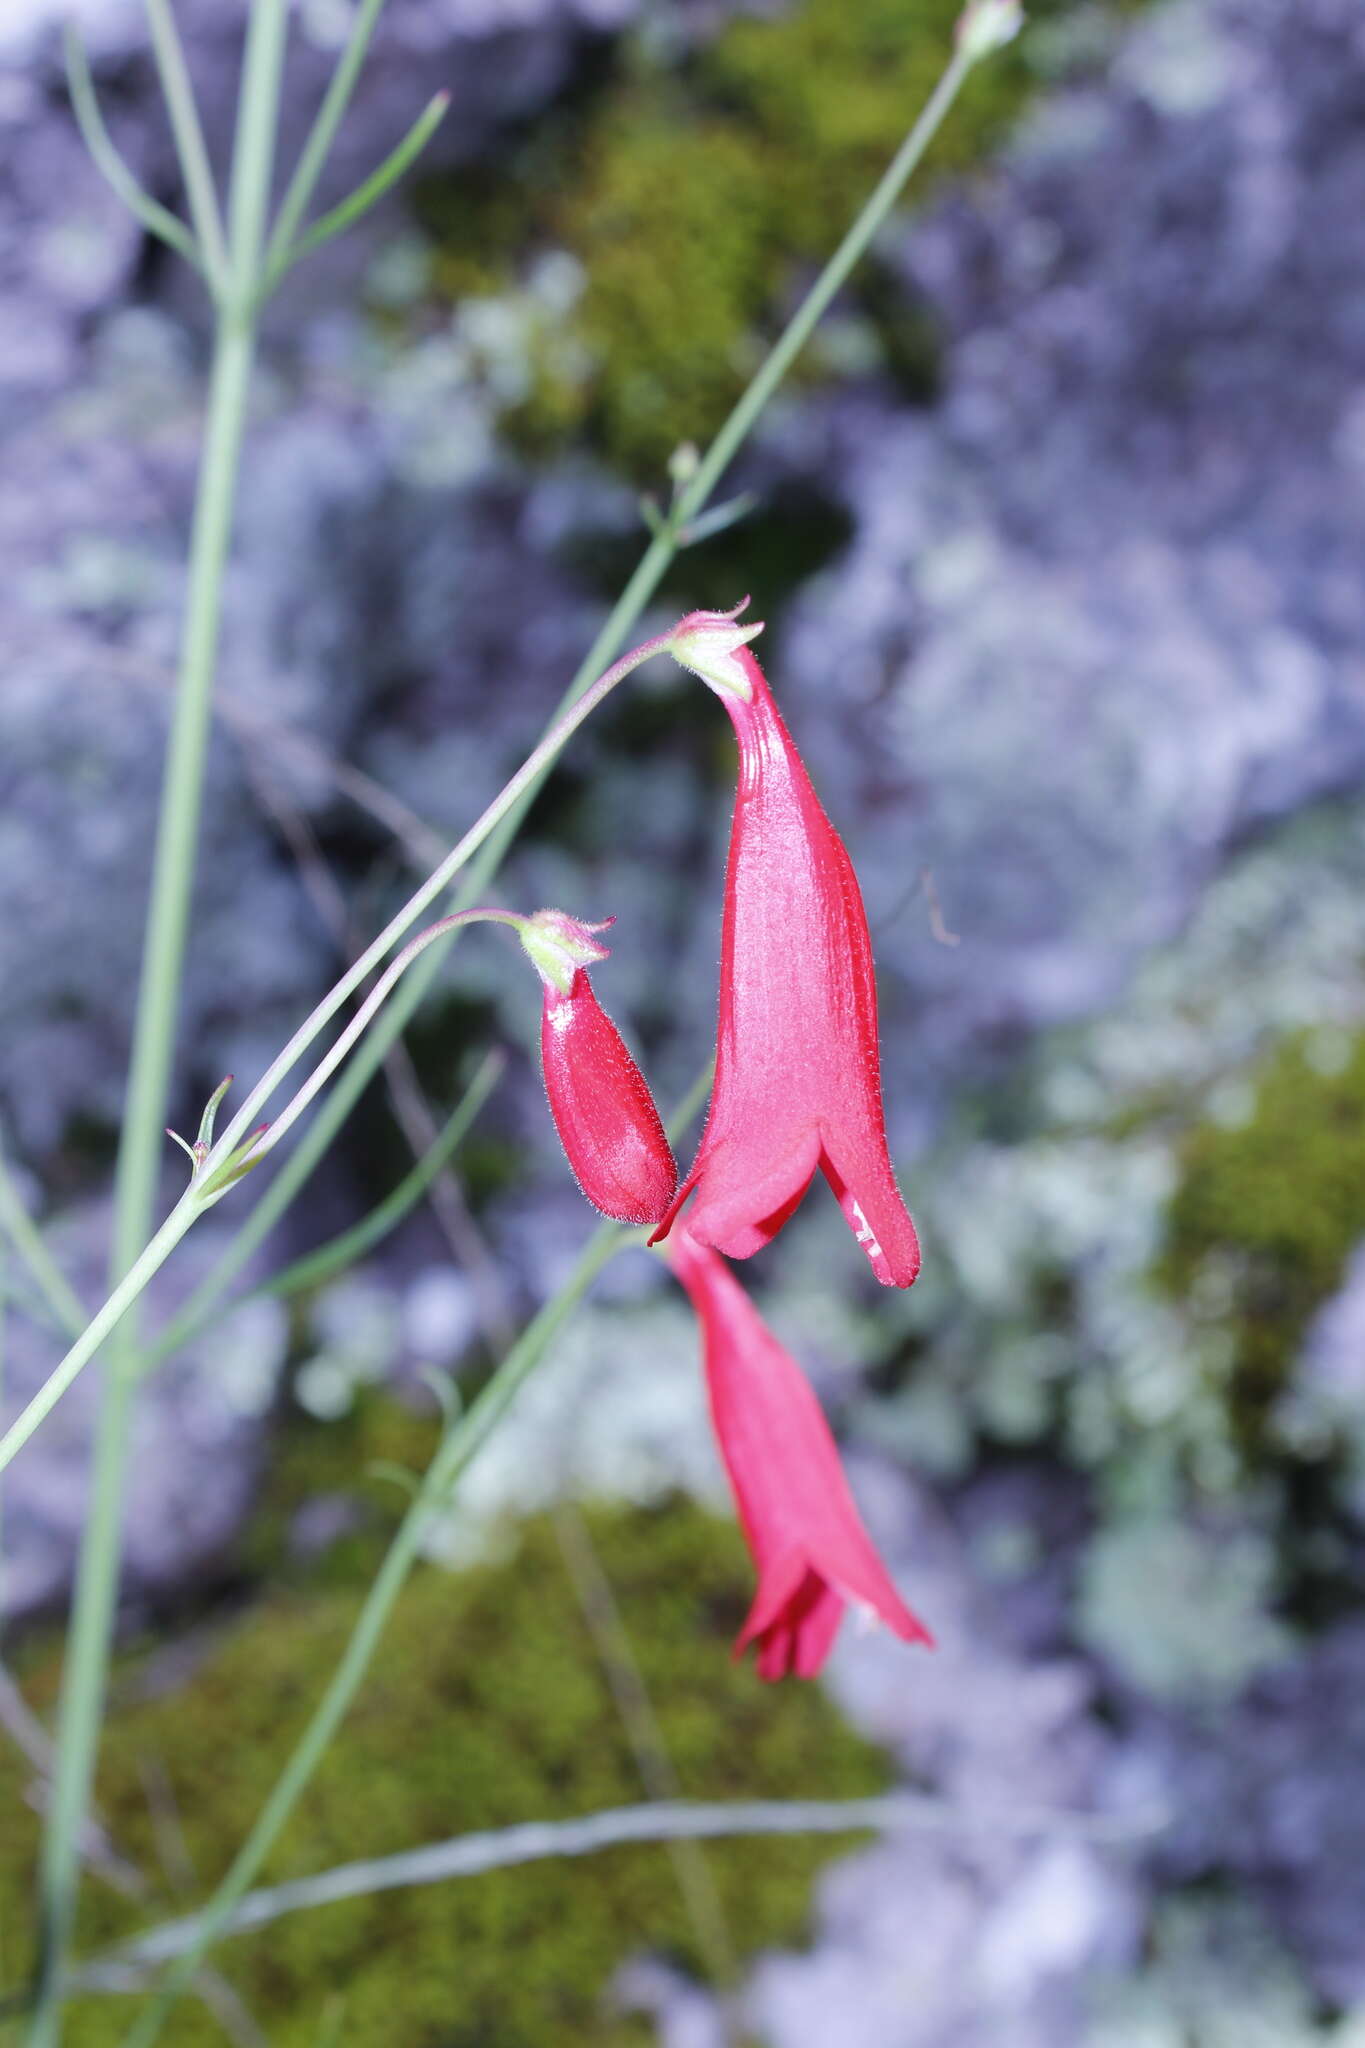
[349, 1245]
[189, 140]
[83, 1683]
[156, 218]
[83, 1679]
[368, 192]
[649, 572]
[355, 1030]
[253, 149]
[530, 774]
[369, 1009]
[158, 1005]
[836, 273]
[662, 1821]
[85, 1672]
[316, 150]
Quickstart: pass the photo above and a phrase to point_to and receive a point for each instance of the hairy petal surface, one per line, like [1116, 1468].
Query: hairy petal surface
[810, 1549]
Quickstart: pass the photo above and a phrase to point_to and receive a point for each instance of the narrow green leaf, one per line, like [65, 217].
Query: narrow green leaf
[211, 1108]
[156, 218]
[365, 195]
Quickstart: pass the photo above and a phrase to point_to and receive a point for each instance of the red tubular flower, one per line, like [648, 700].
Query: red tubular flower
[810, 1549]
[798, 1079]
[600, 1101]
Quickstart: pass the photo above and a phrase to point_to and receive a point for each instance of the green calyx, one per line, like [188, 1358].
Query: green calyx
[709, 643]
[559, 945]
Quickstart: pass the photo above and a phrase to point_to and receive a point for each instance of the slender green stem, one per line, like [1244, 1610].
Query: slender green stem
[92, 1337]
[253, 149]
[158, 1005]
[458, 1448]
[366, 194]
[318, 147]
[85, 1673]
[349, 1245]
[156, 218]
[737, 428]
[508, 800]
[364, 1016]
[158, 998]
[84, 1676]
[22, 1232]
[189, 139]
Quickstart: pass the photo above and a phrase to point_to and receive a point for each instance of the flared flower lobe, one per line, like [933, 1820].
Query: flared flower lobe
[811, 1552]
[798, 1071]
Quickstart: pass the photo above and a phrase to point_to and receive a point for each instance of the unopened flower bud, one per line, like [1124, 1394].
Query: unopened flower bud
[683, 464]
[987, 25]
[605, 1115]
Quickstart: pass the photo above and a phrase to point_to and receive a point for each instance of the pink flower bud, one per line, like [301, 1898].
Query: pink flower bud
[600, 1101]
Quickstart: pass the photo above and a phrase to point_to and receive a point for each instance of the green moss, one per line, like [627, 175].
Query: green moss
[486, 1707]
[677, 222]
[696, 200]
[1267, 1211]
[831, 90]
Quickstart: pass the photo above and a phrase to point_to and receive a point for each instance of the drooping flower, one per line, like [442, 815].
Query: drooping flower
[798, 1075]
[600, 1102]
[810, 1549]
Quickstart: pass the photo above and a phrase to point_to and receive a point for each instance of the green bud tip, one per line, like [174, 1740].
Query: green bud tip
[987, 25]
[558, 945]
[708, 643]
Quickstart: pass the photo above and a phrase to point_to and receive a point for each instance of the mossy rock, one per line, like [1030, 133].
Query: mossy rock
[696, 199]
[486, 1706]
[1267, 1212]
